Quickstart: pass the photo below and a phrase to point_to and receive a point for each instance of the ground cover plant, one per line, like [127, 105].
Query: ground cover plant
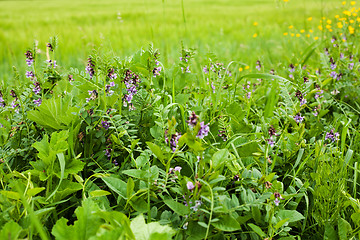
[138, 147]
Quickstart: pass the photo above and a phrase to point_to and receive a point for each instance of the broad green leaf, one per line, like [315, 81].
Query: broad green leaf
[116, 184]
[10, 231]
[55, 113]
[129, 187]
[219, 158]
[151, 231]
[33, 191]
[344, 229]
[227, 223]
[292, 215]
[257, 230]
[157, 151]
[99, 193]
[177, 207]
[10, 194]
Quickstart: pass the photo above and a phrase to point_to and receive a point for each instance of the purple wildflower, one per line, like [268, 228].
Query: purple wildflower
[204, 130]
[196, 206]
[333, 39]
[38, 102]
[93, 95]
[342, 55]
[277, 198]
[326, 51]
[190, 185]
[111, 74]
[332, 63]
[29, 58]
[291, 68]
[248, 95]
[351, 66]
[105, 124]
[271, 142]
[258, 65]
[193, 118]
[206, 71]
[302, 102]
[2, 101]
[298, 118]
[332, 136]
[29, 62]
[213, 87]
[30, 74]
[37, 88]
[333, 74]
[90, 68]
[156, 71]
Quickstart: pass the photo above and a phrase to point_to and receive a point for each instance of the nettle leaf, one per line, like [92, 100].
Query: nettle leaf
[151, 231]
[86, 225]
[55, 113]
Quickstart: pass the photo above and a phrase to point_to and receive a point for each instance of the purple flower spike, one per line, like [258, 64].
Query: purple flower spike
[204, 130]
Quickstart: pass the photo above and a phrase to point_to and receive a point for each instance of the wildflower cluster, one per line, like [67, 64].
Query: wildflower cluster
[90, 67]
[131, 81]
[332, 136]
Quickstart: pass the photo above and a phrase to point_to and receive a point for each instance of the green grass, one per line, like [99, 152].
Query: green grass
[224, 27]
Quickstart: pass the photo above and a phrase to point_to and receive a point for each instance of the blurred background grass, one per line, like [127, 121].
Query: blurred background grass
[241, 30]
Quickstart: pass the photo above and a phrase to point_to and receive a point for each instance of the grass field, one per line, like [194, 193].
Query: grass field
[224, 27]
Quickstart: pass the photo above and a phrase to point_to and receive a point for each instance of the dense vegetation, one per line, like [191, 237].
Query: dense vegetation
[202, 148]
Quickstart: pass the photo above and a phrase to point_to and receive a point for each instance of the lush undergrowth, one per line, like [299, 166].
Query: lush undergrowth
[128, 148]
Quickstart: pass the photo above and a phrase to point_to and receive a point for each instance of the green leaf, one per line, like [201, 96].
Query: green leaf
[219, 158]
[10, 194]
[99, 193]
[280, 223]
[157, 151]
[116, 185]
[33, 191]
[179, 208]
[257, 230]
[227, 223]
[344, 229]
[151, 231]
[10, 231]
[292, 215]
[129, 187]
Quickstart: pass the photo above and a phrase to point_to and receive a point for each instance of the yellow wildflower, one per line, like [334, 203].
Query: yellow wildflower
[285, 33]
[255, 23]
[311, 31]
[328, 21]
[343, 3]
[320, 27]
[247, 67]
[352, 3]
[309, 19]
[316, 38]
[302, 30]
[255, 35]
[297, 35]
[291, 26]
[241, 69]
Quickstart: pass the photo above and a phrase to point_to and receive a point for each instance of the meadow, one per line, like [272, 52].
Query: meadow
[186, 119]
